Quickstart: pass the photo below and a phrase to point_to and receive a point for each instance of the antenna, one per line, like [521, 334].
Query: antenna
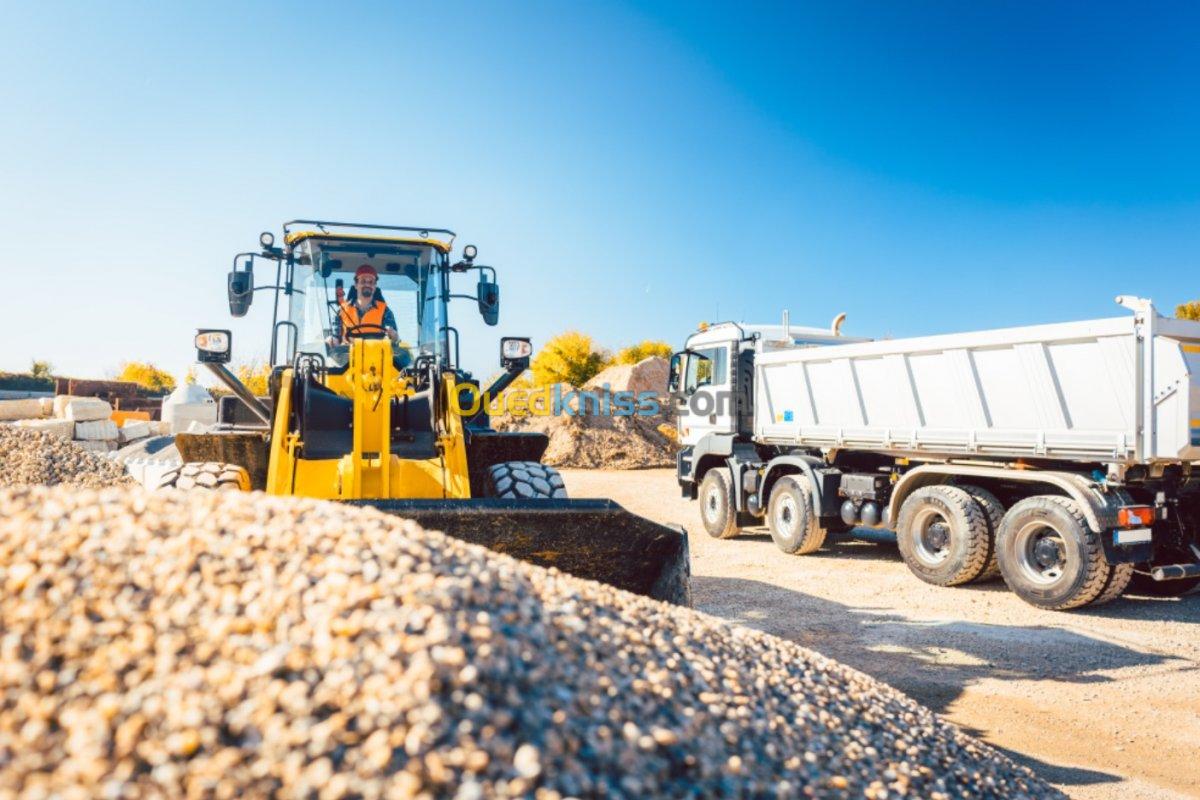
[787, 326]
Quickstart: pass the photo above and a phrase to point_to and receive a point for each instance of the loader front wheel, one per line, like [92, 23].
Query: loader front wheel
[524, 480]
[716, 505]
[206, 475]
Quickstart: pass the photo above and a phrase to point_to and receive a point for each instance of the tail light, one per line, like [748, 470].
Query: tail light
[1135, 516]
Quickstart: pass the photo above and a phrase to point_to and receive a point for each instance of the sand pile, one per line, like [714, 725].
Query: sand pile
[31, 457]
[607, 440]
[230, 644]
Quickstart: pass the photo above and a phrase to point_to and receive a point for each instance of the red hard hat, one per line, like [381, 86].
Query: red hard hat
[366, 269]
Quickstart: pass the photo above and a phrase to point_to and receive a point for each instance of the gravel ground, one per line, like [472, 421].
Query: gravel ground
[34, 458]
[1104, 702]
[226, 644]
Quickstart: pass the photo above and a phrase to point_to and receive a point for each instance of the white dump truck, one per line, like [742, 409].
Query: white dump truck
[1063, 457]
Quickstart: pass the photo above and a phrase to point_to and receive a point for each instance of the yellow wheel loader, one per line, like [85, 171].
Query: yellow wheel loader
[367, 404]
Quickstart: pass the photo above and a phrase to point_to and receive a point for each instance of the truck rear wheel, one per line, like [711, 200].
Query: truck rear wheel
[791, 517]
[524, 480]
[206, 475]
[717, 505]
[1052, 560]
[993, 510]
[944, 536]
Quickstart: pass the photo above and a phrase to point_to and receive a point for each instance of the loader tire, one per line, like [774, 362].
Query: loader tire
[993, 510]
[1051, 559]
[716, 505]
[525, 480]
[943, 535]
[791, 517]
[206, 475]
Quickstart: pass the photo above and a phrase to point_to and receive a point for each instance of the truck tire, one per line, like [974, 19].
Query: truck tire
[993, 510]
[524, 480]
[943, 535]
[1142, 583]
[206, 475]
[791, 517]
[717, 505]
[1052, 560]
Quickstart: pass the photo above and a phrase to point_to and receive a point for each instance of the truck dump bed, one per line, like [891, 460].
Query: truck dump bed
[1124, 390]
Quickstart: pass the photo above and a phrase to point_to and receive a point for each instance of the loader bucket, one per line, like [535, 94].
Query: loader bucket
[594, 539]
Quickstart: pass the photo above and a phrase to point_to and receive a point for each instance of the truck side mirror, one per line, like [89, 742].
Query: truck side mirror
[489, 300]
[241, 291]
[675, 375]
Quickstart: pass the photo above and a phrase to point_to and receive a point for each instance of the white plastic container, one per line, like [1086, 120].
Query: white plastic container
[187, 404]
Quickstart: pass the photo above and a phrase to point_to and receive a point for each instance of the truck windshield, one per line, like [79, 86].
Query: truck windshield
[412, 294]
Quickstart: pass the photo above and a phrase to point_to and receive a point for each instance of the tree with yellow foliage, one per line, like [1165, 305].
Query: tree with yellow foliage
[572, 358]
[255, 375]
[148, 376]
[637, 352]
[1188, 310]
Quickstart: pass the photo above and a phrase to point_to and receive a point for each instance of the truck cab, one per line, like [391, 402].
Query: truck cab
[712, 388]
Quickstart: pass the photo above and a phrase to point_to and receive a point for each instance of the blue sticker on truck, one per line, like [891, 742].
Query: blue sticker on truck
[787, 417]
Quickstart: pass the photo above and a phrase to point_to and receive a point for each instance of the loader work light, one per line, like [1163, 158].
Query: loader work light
[213, 347]
[267, 240]
[514, 353]
[469, 252]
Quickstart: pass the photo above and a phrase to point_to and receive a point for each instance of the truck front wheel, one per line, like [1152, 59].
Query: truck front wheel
[944, 536]
[791, 517]
[716, 505]
[1052, 560]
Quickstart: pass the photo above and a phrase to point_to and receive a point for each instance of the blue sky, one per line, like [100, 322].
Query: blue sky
[630, 169]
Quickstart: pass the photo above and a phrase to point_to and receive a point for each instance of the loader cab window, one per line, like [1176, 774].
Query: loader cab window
[410, 283]
[707, 366]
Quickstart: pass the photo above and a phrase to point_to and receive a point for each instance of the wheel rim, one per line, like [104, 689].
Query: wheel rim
[1041, 553]
[712, 504]
[786, 514]
[932, 534]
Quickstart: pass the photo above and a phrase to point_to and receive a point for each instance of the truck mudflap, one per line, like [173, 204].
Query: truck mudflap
[594, 539]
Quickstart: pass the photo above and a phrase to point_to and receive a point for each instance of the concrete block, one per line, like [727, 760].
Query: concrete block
[29, 408]
[47, 406]
[61, 428]
[160, 427]
[133, 430]
[100, 430]
[98, 446]
[86, 409]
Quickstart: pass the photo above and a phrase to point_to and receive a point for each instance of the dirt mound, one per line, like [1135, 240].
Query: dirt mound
[607, 440]
[29, 457]
[230, 644]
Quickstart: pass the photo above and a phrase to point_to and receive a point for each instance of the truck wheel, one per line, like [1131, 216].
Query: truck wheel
[1050, 558]
[943, 535]
[524, 480]
[993, 510]
[1142, 583]
[791, 518]
[716, 505]
[209, 475]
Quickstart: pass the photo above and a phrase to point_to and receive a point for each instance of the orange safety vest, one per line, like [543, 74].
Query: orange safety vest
[373, 316]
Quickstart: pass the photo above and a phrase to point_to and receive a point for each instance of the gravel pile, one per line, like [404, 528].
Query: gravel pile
[221, 644]
[30, 457]
[607, 441]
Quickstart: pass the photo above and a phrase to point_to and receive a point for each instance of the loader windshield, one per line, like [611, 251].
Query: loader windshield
[411, 284]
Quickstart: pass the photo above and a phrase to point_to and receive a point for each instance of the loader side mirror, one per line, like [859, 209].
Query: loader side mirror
[488, 293]
[675, 373]
[241, 291]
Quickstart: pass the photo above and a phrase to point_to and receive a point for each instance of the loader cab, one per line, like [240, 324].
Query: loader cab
[412, 283]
